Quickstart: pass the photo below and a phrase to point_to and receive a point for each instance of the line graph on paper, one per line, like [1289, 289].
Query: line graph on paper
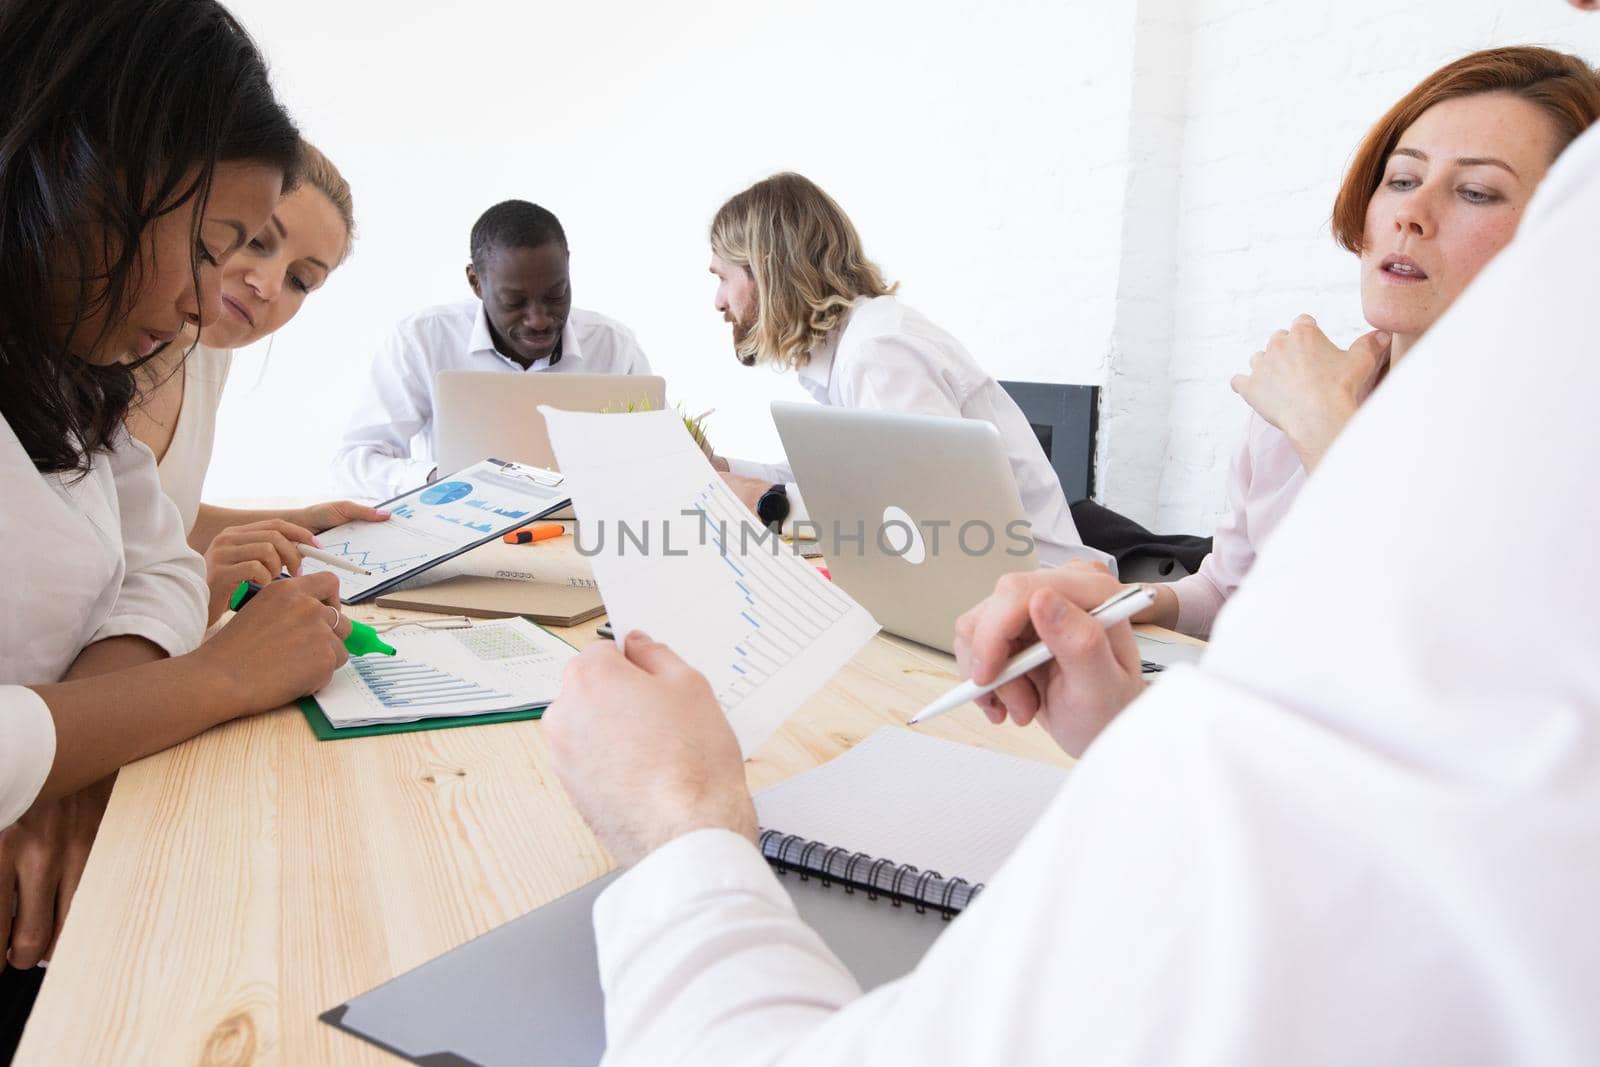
[432, 524]
[782, 610]
[367, 558]
[763, 627]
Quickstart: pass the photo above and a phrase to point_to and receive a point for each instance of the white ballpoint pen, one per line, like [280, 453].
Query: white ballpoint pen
[323, 556]
[1124, 605]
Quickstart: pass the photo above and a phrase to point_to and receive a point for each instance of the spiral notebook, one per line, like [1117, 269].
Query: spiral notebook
[860, 843]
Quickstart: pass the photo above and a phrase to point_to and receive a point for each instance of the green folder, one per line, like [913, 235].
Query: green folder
[326, 731]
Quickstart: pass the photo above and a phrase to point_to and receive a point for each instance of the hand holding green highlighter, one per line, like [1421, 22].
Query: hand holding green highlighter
[362, 639]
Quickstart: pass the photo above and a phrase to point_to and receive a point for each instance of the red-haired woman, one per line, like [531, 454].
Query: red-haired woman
[1436, 189]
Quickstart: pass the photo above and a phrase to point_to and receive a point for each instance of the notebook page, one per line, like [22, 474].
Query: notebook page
[910, 798]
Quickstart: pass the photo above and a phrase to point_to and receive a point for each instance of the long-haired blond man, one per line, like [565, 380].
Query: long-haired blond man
[802, 295]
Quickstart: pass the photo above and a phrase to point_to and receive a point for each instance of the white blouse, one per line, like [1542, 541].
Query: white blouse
[183, 468]
[1365, 829]
[886, 356]
[89, 557]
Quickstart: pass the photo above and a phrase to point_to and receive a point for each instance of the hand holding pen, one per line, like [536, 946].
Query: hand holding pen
[1090, 672]
[259, 551]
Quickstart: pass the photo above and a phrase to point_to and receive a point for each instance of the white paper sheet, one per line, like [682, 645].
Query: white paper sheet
[499, 665]
[679, 557]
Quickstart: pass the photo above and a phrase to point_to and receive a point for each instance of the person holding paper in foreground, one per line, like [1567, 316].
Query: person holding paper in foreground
[1368, 832]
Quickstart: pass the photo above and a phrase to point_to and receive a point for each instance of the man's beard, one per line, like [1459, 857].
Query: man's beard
[741, 331]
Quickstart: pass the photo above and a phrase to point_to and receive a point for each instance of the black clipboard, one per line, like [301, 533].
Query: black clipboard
[547, 483]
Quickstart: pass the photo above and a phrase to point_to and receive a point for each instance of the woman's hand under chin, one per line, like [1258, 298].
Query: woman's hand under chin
[1309, 387]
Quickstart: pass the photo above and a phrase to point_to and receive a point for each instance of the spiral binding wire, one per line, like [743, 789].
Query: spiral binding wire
[899, 883]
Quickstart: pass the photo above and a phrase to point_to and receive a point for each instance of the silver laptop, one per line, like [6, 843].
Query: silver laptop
[918, 516]
[487, 415]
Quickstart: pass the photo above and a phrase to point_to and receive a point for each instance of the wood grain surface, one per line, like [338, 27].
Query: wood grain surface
[253, 877]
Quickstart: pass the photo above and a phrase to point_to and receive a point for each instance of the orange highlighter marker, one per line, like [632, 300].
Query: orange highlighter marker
[539, 531]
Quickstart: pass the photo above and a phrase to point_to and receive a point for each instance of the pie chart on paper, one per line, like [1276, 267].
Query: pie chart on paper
[445, 492]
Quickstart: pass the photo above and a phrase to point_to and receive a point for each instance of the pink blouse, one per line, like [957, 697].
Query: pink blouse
[1265, 478]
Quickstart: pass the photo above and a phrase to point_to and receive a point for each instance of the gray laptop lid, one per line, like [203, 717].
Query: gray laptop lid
[492, 415]
[869, 477]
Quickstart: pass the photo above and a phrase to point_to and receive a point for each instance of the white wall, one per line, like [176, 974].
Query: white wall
[975, 150]
[1133, 194]
[1279, 95]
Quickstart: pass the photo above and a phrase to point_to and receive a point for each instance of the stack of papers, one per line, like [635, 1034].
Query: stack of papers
[498, 666]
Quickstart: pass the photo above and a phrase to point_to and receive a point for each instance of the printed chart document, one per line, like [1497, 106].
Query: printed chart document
[438, 522]
[504, 665]
[679, 557]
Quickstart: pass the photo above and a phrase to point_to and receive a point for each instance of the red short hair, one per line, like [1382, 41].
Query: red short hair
[1563, 86]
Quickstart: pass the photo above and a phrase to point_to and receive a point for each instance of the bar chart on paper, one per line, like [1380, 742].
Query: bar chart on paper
[400, 684]
[762, 625]
[501, 665]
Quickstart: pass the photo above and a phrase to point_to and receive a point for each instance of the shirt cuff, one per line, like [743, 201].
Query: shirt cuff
[1198, 603]
[417, 473]
[656, 892]
[767, 472]
[27, 749]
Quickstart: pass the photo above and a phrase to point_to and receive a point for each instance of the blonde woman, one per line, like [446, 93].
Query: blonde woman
[263, 287]
[801, 295]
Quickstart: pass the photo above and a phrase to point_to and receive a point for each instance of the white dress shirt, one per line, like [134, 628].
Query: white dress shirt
[389, 447]
[1365, 829]
[886, 356]
[88, 557]
[183, 468]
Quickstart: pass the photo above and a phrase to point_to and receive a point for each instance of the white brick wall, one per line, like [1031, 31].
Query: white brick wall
[1279, 94]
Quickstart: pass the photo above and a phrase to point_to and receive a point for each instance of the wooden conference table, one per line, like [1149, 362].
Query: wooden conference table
[253, 877]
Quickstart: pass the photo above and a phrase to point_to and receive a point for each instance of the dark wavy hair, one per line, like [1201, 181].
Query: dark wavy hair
[112, 114]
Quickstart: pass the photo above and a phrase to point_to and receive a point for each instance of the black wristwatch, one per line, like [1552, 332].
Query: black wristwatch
[773, 507]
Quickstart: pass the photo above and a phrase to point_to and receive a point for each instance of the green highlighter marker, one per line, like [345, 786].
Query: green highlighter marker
[362, 640]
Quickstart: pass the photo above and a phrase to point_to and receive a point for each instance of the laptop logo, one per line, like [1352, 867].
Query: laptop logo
[898, 536]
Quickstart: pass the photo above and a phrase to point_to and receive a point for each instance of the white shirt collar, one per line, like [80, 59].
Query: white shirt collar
[818, 370]
[481, 340]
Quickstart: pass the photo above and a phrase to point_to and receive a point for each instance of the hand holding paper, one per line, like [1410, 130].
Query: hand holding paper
[678, 556]
[644, 751]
